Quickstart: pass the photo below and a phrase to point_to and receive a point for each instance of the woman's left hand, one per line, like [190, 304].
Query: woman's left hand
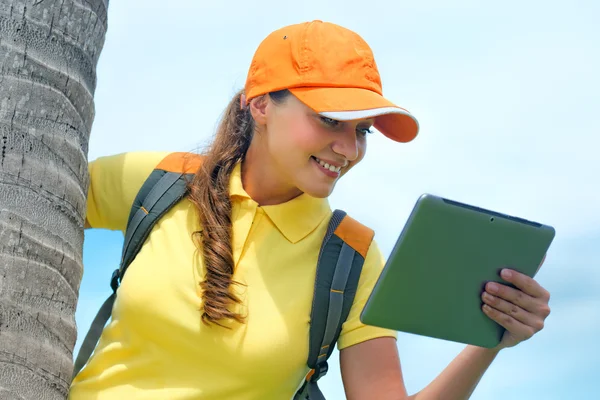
[522, 311]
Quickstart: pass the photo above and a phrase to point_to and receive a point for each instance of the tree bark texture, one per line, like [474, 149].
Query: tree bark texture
[49, 50]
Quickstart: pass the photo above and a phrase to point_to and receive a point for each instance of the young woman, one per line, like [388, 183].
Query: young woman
[216, 305]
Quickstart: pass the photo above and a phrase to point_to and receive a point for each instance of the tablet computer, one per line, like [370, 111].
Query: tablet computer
[432, 282]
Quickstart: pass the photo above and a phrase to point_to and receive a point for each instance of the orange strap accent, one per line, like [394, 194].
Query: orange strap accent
[355, 234]
[181, 162]
[310, 373]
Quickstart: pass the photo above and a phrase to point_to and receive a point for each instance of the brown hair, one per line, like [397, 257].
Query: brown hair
[209, 192]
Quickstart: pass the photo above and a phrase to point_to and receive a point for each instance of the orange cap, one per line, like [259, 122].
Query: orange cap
[330, 69]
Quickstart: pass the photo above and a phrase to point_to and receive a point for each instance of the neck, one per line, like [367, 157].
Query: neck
[261, 180]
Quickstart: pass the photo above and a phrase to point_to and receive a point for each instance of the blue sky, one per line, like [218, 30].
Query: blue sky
[507, 97]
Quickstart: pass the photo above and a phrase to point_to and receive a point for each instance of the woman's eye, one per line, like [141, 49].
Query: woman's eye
[329, 121]
[365, 131]
[333, 123]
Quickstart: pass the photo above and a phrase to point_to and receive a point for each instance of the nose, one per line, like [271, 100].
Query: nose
[346, 145]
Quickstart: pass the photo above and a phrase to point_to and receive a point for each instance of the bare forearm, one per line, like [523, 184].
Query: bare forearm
[461, 376]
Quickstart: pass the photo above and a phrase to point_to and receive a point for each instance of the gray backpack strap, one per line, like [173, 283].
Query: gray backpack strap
[162, 190]
[339, 266]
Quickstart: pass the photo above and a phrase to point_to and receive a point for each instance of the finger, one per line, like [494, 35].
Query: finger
[514, 296]
[521, 315]
[515, 327]
[526, 283]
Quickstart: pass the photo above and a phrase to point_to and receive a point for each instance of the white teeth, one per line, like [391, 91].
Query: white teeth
[332, 168]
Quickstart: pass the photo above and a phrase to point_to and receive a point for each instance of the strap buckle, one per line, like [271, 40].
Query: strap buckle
[114, 280]
[317, 372]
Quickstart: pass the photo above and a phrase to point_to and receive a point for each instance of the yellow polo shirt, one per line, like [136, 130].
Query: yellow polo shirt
[156, 347]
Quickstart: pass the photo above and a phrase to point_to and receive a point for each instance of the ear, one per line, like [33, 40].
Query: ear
[259, 108]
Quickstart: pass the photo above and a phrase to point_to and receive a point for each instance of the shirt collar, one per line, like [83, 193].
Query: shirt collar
[296, 218]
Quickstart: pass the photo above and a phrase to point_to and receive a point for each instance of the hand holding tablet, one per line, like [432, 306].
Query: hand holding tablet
[520, 311]
[447, 257]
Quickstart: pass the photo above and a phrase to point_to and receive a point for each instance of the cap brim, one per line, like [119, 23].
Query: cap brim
[346, 104]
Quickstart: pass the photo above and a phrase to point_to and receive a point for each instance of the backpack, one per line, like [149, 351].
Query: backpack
[339, 265]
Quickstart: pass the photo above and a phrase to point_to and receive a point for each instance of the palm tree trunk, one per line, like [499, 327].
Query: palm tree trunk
[49, 50]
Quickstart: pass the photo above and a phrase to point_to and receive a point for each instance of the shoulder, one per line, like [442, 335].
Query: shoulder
[114, 181]
[356, 235]
[128, 171]
[362, 239]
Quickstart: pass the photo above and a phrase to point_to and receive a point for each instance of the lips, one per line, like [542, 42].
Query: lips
[332, 174]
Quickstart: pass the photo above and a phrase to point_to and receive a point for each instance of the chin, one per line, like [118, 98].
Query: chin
[319, 191]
